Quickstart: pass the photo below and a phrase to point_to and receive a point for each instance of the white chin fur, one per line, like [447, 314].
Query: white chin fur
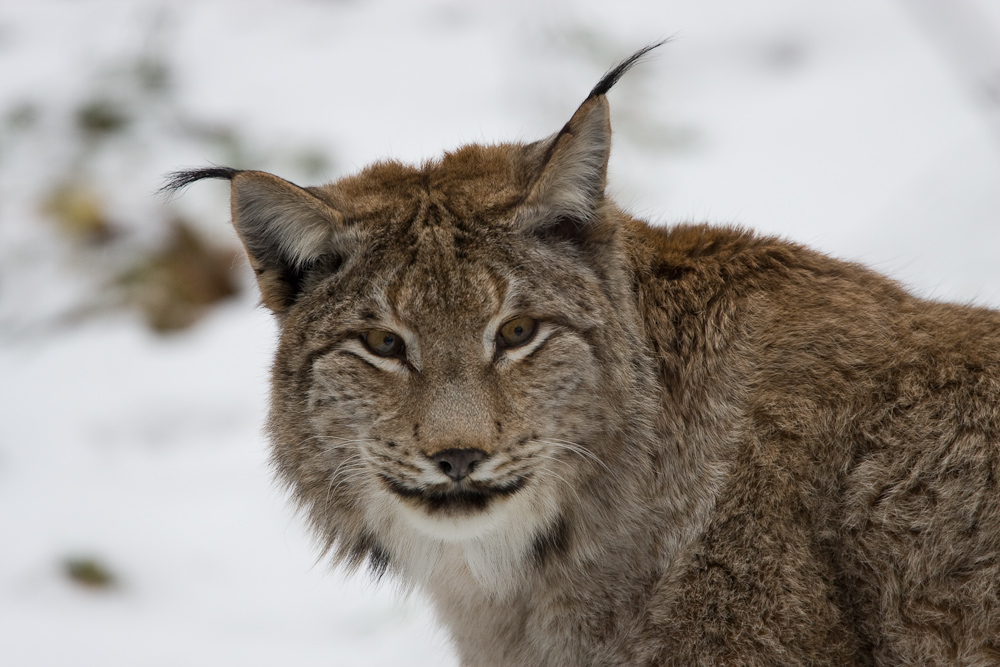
[467, 526]
[490, 547]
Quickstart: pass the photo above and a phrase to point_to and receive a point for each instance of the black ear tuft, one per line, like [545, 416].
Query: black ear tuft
[178, 180]
[616, 72]
[289, 232]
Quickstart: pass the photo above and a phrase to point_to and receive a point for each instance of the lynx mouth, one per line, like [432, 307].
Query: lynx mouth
[471, 497]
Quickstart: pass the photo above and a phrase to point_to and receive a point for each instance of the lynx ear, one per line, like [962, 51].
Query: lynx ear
[563, 200]
[285, 229]
[565, 195]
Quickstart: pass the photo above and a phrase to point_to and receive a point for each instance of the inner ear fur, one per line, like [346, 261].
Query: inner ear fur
[285, 229]
[564, 200]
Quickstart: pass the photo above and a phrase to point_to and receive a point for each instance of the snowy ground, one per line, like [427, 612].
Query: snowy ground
[843, 125]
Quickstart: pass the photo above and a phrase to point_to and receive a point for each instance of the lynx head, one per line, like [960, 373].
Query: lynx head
[459, 354]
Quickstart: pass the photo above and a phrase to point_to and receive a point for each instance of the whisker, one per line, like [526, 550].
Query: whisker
[350, 475]
[572, 446]
[577, 449]
[333, 476]
[344, 442]
[552, 473]
[548, 469]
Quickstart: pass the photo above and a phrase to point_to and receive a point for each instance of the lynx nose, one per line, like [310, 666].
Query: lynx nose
[458, 463]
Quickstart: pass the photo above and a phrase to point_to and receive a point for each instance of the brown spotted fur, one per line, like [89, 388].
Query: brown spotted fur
[737, 450]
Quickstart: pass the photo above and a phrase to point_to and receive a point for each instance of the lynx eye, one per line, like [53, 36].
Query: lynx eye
[516, 332]
[383, 343]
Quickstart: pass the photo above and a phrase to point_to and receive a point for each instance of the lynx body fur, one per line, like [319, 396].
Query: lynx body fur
[590, 441]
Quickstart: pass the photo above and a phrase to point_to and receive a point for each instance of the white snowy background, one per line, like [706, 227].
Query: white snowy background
[867, 128]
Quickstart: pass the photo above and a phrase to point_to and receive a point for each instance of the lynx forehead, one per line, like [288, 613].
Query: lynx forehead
[594, 442]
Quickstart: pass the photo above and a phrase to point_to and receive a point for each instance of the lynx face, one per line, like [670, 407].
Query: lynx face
[458, 346]
[455, 378]
[447, 370]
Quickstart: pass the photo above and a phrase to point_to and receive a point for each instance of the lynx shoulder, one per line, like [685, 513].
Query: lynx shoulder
[590, 441]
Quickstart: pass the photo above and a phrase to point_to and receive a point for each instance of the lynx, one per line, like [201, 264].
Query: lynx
[591, 441]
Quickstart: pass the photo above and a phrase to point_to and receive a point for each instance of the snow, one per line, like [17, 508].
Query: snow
[841, 125]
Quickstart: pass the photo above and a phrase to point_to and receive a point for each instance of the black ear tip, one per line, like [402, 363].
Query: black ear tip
[180, 179]
[616, 72]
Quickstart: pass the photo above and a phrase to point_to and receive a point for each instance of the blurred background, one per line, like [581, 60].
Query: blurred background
[138, 521]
